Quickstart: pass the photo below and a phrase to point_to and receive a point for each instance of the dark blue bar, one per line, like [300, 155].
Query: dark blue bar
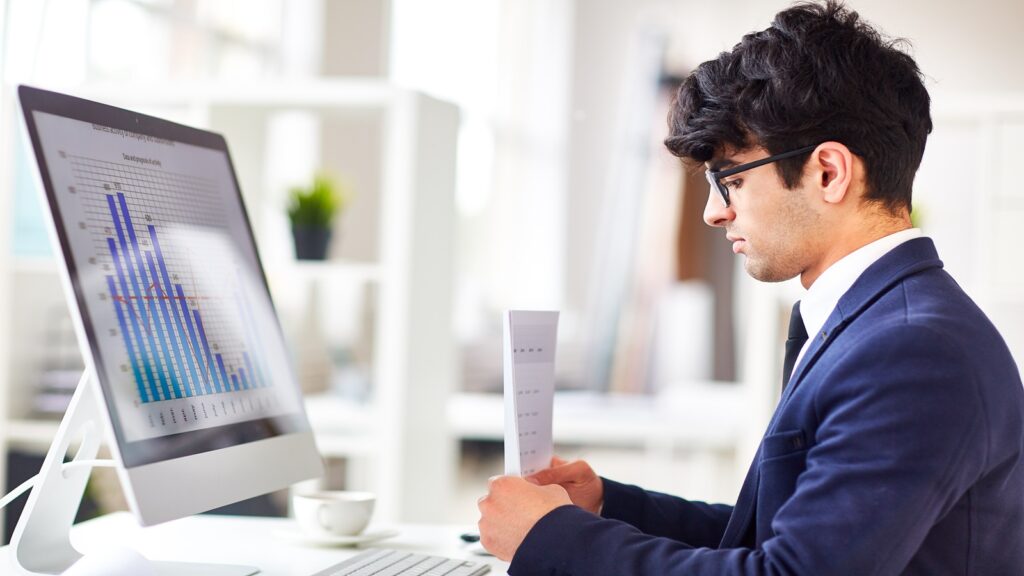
[253, 335]
[127, 339]
[234, 379]
[183, 389]
[248, 362]
[141, 304]
[197, 353]
[223, 372]
[218, 385]
[143, 359]
[245, 381]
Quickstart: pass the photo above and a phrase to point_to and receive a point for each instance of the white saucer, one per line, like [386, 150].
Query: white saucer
[303, 537]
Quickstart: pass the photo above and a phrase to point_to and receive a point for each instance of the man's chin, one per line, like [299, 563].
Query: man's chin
[762, 272]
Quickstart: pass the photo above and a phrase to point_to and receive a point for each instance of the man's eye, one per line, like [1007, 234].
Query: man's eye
[734, 183]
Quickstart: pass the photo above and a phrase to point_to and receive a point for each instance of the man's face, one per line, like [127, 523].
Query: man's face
[776, 229]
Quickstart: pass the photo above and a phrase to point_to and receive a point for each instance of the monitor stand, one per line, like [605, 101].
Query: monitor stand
[41, 542]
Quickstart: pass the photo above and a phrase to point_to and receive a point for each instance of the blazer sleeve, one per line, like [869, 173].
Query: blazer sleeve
[696, 523]
[900, 438]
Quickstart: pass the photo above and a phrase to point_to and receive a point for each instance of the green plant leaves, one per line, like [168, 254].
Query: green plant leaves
[315, 206]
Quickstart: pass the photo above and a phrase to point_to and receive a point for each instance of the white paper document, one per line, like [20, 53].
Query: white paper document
[529, 350]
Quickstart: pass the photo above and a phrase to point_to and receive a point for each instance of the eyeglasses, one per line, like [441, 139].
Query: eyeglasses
[715, 177]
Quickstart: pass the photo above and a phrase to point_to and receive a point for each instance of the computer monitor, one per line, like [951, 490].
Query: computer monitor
[172, 308]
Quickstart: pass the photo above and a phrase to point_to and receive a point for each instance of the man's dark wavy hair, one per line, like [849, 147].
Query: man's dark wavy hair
[818, 73]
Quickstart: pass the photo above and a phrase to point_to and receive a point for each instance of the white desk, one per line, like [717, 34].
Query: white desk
[254, 541]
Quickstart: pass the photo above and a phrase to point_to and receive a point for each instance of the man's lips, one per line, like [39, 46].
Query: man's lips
[737, 243]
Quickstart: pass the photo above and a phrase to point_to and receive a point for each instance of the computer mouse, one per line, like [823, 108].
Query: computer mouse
[113, 561]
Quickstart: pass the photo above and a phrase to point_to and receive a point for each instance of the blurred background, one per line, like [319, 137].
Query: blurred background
[494, 154]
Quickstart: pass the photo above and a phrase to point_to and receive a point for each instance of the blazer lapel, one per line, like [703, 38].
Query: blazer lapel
[905, 260]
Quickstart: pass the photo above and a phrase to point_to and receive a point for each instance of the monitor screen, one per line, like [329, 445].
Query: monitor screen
[167, 282]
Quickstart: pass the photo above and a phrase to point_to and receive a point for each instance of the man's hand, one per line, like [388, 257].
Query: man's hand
[584, 486]
[510, 509]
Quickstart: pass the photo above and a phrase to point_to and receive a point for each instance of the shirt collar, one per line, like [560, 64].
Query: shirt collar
[824, 294]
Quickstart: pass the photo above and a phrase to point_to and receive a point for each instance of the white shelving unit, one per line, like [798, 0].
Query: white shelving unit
[398, 245]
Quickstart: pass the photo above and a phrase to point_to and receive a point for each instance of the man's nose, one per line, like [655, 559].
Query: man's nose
[716, 213]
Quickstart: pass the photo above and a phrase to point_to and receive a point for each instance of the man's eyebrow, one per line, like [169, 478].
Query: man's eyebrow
[721, 164]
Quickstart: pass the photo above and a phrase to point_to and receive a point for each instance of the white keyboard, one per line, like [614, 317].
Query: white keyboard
[383, 562]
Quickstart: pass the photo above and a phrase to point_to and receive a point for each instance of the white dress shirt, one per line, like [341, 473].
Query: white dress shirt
[823, 296]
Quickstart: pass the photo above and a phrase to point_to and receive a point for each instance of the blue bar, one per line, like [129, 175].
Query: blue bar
[161, 373]
[245, 381]
[143, 359]
[196, 351]
[223, 372]
[189, 352]
[179, 363]
[127, 339]
[252, 334]
[234, 379]
[218, 385]
[248, 362]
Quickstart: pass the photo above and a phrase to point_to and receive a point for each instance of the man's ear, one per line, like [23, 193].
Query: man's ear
[832, 168]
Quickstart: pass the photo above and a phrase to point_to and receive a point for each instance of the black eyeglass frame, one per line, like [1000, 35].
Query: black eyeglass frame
[715, 177]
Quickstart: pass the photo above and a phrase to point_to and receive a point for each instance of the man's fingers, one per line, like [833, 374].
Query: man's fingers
[542, 477]
[577, 471]
[564, 473]
[556, 461]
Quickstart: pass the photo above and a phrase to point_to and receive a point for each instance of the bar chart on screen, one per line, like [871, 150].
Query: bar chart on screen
[143, 286]
[179, 308]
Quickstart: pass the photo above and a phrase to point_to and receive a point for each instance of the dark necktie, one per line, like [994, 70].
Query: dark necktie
[794, 343]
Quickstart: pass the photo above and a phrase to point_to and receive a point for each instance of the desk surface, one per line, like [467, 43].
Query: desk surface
[255, 542]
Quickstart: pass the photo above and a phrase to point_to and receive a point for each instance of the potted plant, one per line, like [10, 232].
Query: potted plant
[311, 210]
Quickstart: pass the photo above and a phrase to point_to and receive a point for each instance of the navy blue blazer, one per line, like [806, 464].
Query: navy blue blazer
[896, 449]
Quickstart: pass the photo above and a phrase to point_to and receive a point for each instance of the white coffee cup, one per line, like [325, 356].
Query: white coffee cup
[333, 512]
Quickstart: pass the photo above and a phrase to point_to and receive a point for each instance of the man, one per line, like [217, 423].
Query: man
[896, 446]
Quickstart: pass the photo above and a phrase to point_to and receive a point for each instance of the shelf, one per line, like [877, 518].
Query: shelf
[334, 94]
[346, 270]
[700, 416]
[976, 106]
[342, 427]
[303, 270]
[329, 413]
[32, 435]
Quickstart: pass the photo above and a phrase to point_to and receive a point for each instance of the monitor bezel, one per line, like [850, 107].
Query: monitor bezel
[139, 453]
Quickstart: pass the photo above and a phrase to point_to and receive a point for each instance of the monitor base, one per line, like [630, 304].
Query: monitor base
[195, 569]
[41, 543]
